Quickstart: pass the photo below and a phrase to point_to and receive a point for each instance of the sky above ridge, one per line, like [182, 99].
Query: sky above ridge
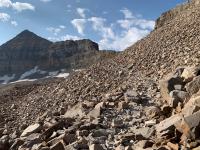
[113, 24]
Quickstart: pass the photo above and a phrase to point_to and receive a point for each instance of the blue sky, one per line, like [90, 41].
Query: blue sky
[114, 24]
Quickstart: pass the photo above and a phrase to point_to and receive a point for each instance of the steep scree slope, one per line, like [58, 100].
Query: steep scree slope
[139, 67]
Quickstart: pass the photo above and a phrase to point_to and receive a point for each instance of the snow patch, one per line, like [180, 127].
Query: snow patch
[28, 73]
[31, 72]
[53, 73]
[62, 75]
[7, 78]
[24, 80]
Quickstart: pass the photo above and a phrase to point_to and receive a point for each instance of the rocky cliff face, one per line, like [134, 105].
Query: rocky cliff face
[184, 9]
[27, 51]
[23, 52]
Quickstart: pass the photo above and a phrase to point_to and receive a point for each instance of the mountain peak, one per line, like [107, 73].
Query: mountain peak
[27, 34]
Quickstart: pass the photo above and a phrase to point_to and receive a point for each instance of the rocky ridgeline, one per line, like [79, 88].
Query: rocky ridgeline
[183, 9]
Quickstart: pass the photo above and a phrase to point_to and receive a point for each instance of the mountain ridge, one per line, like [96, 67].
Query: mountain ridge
[28, 50]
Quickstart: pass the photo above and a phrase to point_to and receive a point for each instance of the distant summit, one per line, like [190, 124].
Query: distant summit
[27, 51]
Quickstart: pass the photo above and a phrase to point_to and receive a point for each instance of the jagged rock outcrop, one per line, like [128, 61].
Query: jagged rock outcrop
[182, 9]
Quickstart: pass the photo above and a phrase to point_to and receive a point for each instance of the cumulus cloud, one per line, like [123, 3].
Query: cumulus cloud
[79, 24]
[4, 17]
[62, 27]
[133, 28]
[22, 6]
[142, 23]
[14, 23]
[64, 38]
[5, 3]
[127, 13]
[123, 40]
[98, 24]
[53, 30]
[16, 5]
[56, 30]
[69, 6]
[45, 0]
[81, 12]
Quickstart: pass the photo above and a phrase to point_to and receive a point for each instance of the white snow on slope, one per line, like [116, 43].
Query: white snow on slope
[62, 75]
[31, 72]
[24, 80]
[7, 78]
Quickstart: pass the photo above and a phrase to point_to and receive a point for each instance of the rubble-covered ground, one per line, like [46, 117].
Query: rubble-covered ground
[128, 102]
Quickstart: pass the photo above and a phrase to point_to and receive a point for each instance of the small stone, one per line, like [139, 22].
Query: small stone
[192, 106]
[132, 96]
[95, 113]
[120, 147]
[69, 138]
[181, 96]
[31, 129]
[96, 147]
[167, 85]
[99, 133]
[173, 146]
[4, 142]
[167, 126]
[178, 87]
[123, 105]
[166, 109]
[189, 73]
[193, 86]
[16, 144]
[82, 133]
[143, 144]
[150, 123]
[197, 148]
[116, 123]
[152, 111]
[164, 148]
[58, 146]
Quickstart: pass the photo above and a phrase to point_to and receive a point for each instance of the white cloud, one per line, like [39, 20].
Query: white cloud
[16, 5]
[53, 30]
[81, 12]
[62, 27]
[98, 24]
[14, 23]
[64, 38]
[70, 37]
[127, 13]
[79, 24]
[5, 3]
[123, 40]
[22, 6]
[133, 28]
[56, 30]
[142, 23]
[69, 6]
[4, 17]
[45, 0]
